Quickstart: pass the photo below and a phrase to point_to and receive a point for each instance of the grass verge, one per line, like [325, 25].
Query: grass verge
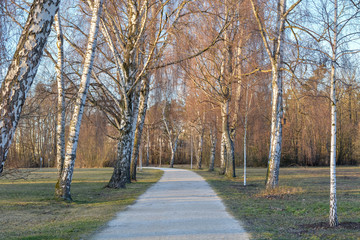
[298, 209]
[28, 209]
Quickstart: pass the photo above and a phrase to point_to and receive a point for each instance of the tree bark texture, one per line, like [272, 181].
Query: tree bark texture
[22, 69]
[119, 177]
[63, 190]
[173, 151]
[223, 151]
[227, 141]
[60, 124]
[277, 101]
[213, 150]
[200, 149]
[144, 96]
[333, 219]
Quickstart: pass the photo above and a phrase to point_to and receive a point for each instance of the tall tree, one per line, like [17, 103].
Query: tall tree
[274, 46]
[60, 125]
[64, 183]
[23, 68]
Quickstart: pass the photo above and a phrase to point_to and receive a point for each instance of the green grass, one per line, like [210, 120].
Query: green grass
[28, 209]
[298, 209]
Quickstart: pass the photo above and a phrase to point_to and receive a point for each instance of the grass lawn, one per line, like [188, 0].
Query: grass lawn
[28, 209]
[298, 209]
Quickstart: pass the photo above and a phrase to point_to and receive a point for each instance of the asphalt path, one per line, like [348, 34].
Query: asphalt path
[180, 206]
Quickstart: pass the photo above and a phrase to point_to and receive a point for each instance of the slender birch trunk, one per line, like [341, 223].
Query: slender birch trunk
[245, 131]
[228, 143]
[160, 157]
[60, 125]
[276, 58]
[22, 70]
[200, 149]
[173, 151]
[213, 149]
[134, 101]
[147, 148]
[223, 151]
[333, 220]
[191, 151]
[144, 96]
[141, 157]
[63, 188]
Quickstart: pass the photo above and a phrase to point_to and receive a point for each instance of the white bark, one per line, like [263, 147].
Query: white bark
[144, 96]
[333, 220]
[160, 157]
[119, 177]
[228, 146]
[200, 149]
[191, 151]
[60, 125]
[213, 149]
[66, 176]
[22, 70]
[173, 135]
[275, 55]
[223, 152]
[148, 147]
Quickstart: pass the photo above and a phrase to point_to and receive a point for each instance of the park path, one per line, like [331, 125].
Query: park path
[180, 206]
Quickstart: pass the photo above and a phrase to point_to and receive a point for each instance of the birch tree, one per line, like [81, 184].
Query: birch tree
[60, 125]
[22, 70]
[64, 182]
[173, 127]
[274, 45]
[331, 26]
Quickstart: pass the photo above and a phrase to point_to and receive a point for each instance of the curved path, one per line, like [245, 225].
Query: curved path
[180, 206]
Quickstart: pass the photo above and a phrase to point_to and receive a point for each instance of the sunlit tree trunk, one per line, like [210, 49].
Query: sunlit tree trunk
[174, 146]
[276, 130]
[223, 151]
[63, 188]
[147, 147]
[60, 125]
[333, 219]
[191, 151]
[229, 146]
[144, 95]
[213, 149]
[120, 174]
[245, 129]
[22, 70]
[275, 55]
[200, 149]
[160, 154]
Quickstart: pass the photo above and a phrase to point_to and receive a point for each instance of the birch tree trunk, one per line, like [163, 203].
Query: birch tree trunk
[213, 149]
[22, 70]
[60, 125]
[120, 175]
[227, 142]
[245, 131]
[191, 150]
[276, 130]
[144, 96]
[223, 151]
[333, 220]
[63, 188]
[173, 151]
[147, 148]
[200, 149]
[160, 154]
[276, 57]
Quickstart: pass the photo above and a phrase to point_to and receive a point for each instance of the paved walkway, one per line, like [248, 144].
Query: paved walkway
[180, 206]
